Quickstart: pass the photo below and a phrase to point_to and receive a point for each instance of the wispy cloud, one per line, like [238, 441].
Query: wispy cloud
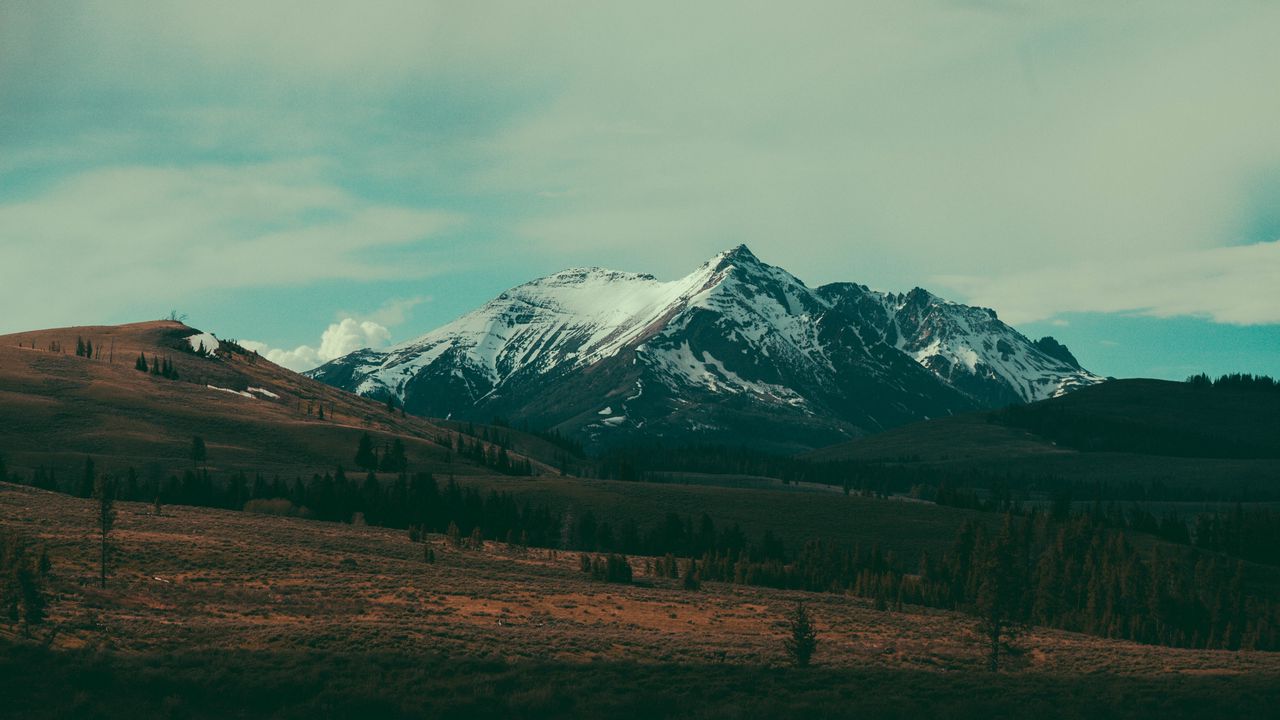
[885, 142]
[113, 235]
[1236, 285]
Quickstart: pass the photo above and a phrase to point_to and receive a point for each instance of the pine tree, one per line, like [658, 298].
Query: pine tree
[22, 579]
[1000, 589]
[87, 479]
[691, 581]
[79, 346]
[141, 363]
[364, 453]
[394, 460]
[803, 639]
[198, 454]
[104, 491]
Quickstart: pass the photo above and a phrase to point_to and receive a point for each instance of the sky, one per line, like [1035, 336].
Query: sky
[315, 177]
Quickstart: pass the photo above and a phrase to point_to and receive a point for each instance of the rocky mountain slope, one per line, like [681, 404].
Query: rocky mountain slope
[736, 351]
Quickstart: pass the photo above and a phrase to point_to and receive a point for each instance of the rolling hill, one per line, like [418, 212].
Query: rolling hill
[56, 407]
[1122, 431]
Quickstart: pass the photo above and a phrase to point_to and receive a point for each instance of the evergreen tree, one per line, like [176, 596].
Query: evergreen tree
[1001, 588]
[86, 479]
[79, 346]
[198, 453]
[141, 363]
[394, 459]
[22, 577]
[691, 581]
[365, 458]
[104, 491]
[803, 637]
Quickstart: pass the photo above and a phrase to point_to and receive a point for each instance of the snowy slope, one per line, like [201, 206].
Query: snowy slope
[972, 349]
[736, 341]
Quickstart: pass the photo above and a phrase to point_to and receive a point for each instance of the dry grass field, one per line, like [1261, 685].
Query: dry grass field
[55, 408]
[217, 593]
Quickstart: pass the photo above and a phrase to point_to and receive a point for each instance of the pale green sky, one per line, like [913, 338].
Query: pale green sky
[275, 168]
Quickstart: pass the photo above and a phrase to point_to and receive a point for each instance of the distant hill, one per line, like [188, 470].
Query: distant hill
[1155, 417]
[1120, 431]
[56, 407]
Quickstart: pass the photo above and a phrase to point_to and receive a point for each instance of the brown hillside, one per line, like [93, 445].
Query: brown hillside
[57, 407]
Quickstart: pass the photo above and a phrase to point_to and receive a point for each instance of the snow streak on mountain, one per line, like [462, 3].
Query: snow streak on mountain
[736, 351]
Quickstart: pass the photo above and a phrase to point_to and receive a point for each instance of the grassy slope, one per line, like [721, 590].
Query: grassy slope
[211, 613]
[56, 408]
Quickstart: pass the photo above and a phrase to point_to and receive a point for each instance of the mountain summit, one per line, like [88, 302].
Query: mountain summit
[736, 351]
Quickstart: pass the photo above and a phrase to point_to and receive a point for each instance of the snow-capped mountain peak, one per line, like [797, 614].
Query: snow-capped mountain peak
[736, 336]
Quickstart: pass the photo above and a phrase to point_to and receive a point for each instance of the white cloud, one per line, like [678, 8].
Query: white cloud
[394, 311]
[122, 234]
[340, 338]
[1237, 285]
[883, 142]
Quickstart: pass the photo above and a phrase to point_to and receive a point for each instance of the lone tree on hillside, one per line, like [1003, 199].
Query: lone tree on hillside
[803, 638]
[199, 455]
[691, 580]
[1000, 590]
[87, 479]
[104, 491]
[394, 460]
[22, 576]
[365, 458]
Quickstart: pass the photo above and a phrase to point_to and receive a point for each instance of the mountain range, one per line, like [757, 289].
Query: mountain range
[736, 351]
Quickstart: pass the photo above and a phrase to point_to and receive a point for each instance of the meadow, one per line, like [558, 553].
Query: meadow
[209, 613]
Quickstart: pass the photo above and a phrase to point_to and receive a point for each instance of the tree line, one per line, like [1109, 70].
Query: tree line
[1071, 573]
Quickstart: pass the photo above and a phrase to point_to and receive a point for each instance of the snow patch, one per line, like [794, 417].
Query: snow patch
[265, 392]
[205, 340]
[241, 393]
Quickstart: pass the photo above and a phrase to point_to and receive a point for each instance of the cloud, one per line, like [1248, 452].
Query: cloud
[1235, 285]
[349, 333]
[394, 311]
[883, 142]
[340, 338]
[117, 235]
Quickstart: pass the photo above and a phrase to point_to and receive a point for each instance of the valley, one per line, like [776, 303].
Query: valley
[298, 617]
